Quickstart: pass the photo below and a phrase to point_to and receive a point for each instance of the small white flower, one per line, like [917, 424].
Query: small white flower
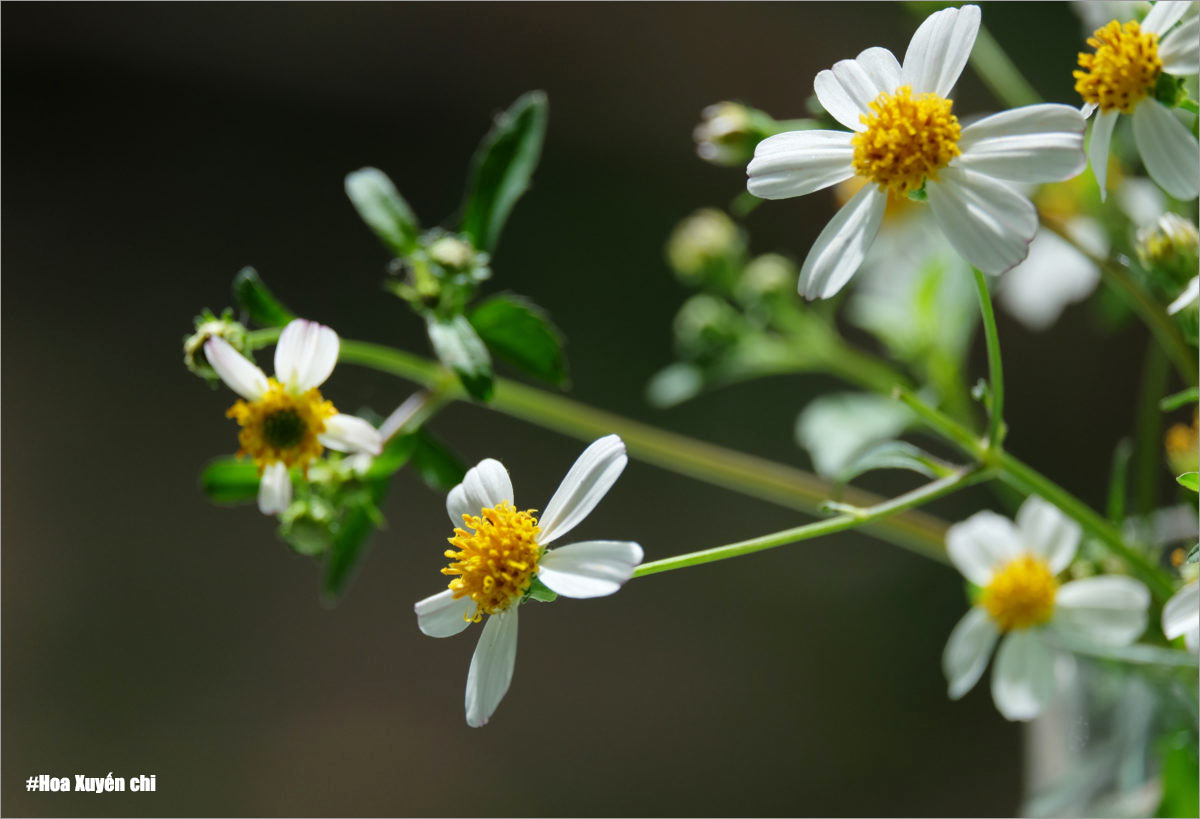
[1120, 78]
[500, 551]
[1016, 566]
[903, 137]
[285, 421]
[1181, 616]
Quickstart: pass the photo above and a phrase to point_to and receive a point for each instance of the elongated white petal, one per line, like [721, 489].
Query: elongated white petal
[1101, 138]
[939, 50]
[1046, 532]
[800, 162]
[988, 222]
[349, 433]
[1171, 153]
[1180, 50]
[305, 354]
[592, 568]
[981, 544]
[586, 483]
[1181, 616]
[1023, 675]
[491, 667]
[238, 372]
[1036, 143]
[274, 489]
[840, 249]
[443, 616]
[847, 90]
[1110, 610]
[1163, 15]
[485, 485]
[1190, 295]
[967, 651]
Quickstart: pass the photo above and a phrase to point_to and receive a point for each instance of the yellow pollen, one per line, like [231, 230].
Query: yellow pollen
[495, 564]
[1021, 594]
[907, 140]
[1123, 70]
[282, 426]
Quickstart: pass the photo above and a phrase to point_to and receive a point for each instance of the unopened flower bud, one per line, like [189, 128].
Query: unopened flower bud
[305, 525]
[765, 277]
[210, 326]
[727, 134]
[706, 247]
[1181, 443]
[450, 251]
[1170, 245]
[705, 326]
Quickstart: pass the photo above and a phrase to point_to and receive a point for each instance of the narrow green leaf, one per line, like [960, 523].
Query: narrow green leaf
[351, 537]
[1180, 399]
[1117, 481]
[383, 209]
[520, 332]
[230, 480]
[895, 455]
[459, 347]
[502, 168]
[1190, 480]
[437, 465]
[259, 303]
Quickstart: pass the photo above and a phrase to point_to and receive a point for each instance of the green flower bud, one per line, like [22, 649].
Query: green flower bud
[706, 248]
[766, 277]
[727, 134]
[1170, 245]
[705, 326]
[210, 326]
[305, 525]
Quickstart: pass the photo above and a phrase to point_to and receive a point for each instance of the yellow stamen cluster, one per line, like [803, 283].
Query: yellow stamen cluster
[907, 140]
[1123, 70]
[281, 426]
[495, 564]
[1021, 594]
[1183, 446]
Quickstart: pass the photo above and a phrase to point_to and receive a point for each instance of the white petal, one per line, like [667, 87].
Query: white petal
[1054, 275]
[349, 433]
[238, 372]
[1101, 138]
[593, 568]
[585, 485]
[1110, 610]
[491, 667]
[847, 90]
[1023, 675]
[1180, 50]
[1168, 149]
[840, 249]
[1163, 15]
[457, 505]
[939, 50]
[1046, 532]
[1181, 615]
[443, 616]
[800, 162]
[989, 223]
[274, 489]
[305, 354]
[485, 485]
[967, 651]
[981, 544]
[1190, 295]
[1036, 143]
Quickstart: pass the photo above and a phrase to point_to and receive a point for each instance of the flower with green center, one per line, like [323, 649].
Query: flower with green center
[500, 553]
[1023, 607]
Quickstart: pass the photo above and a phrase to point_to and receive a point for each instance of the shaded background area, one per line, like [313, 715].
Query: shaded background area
[152, 150]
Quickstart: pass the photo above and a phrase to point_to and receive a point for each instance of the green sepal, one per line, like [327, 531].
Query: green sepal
[258, 302]
[502, 168]
[539, 592]
[384, 210]
[1169, 90]
[919, 195]
[438, 466]
[521, 333]
[459, 347]
[1190, 480]
[230, 480]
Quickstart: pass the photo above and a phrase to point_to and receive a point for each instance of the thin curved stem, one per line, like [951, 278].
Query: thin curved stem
[995, 365]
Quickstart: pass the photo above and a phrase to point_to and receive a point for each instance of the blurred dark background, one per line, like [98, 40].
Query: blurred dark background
[152, 150]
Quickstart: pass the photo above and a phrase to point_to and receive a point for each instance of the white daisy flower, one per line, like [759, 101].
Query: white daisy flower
[285, 421]
[904, 136]
[499, 551]
[1181, 616]
[1022, 602]
[1120, 78]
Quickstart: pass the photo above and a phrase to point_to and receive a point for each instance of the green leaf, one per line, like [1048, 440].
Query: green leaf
[459, 347]
[1190, 480]
[440, 468]
[1193, 554]
[1180, 399]
[383, 209]
[894, 455]
[257, 301]
[351, 537]
[1180, 791]
[230, 480]
[502, 167]
[836, 428]
[396, 453]
[520, 332]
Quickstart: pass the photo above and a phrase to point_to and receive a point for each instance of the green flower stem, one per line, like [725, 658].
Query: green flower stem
[995, 366]
[839, 523]
[999, 73]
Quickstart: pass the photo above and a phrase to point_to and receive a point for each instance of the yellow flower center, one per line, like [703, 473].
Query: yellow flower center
[1123, 70]
[282, 426]
[907, 140]
[1021, 594]
[496, 563]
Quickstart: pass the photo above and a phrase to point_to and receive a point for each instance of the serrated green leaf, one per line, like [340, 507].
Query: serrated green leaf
[1180, 399]
[383, 209]
[520, 332]
[894, 455]
[258, 302]
[351, 537]
[1190, 480]
[230, 480]
[437, 465]
[502, 168]
[459, 347]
